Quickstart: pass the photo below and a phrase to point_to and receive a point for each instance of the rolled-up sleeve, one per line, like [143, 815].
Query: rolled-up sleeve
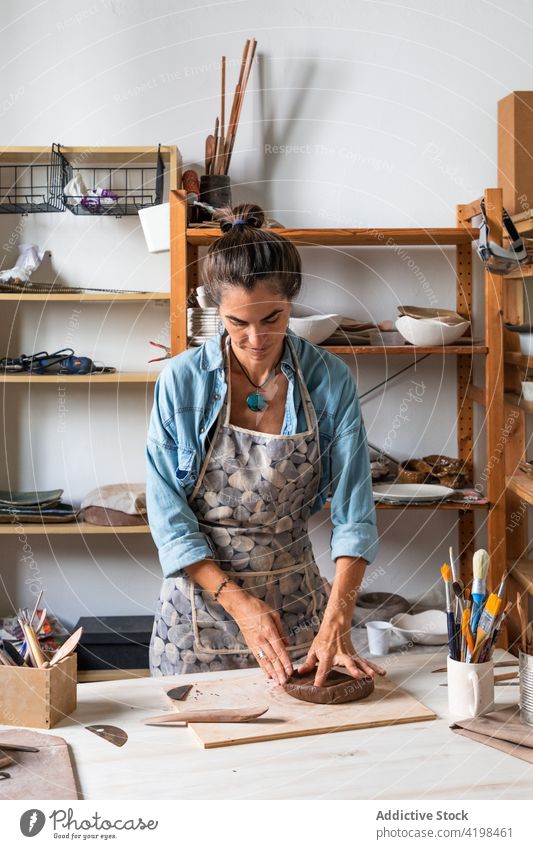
[173, 524]
[353, 513]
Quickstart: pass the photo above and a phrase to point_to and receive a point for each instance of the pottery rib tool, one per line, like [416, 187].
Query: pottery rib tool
[446, 573]
[179, 693]
[68, 647]
[110, 733]
[486, 624]
[210, 715]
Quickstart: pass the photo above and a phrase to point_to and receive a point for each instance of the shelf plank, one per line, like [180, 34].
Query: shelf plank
[515, 400]
[522, 572]
[407, 350]
[445, 505]
[70, 528]
[85, 296]
[516, 358]
[132, 156]
[118, 377]
[522, 485]
[521, 271]
[358, 237]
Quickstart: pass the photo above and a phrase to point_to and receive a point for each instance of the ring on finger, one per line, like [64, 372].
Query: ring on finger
[261, 654]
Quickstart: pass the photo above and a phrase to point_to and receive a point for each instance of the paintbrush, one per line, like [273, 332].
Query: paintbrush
[497, 628]
[455, 576]
[480, 567]
[446, 573]
[486, 624]
[468, 639]
[501, 589]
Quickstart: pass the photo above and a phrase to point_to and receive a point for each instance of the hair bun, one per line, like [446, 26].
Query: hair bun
[243, 215]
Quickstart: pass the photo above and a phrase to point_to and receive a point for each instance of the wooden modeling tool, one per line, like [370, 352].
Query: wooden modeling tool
[486, 624]
[110, 733]
[210, 715]
[68, 647]
[498, 664]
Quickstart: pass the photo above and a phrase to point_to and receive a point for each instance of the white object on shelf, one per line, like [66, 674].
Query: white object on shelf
[526, 343]
[315, 328]
[155, 221]
[429, 331]
[527, 390]
[406, 492]
[203, 298]
[428, 628]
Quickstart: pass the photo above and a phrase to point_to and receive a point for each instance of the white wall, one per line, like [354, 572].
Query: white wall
[390, 109]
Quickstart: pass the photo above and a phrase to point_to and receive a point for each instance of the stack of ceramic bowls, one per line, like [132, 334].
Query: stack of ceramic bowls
[526, 687]
[201, 324]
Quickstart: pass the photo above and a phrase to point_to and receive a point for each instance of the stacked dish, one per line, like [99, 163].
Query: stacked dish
[201, 325]
[410, 493]
[424, 326]
[526, 687]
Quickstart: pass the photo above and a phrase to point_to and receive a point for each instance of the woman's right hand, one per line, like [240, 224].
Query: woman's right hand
[262, 628]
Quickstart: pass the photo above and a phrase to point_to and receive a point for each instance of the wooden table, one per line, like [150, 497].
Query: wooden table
[423, 760]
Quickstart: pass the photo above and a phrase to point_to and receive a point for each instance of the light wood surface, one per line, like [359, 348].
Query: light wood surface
[421, 760]
[46, 774]
[85, 296]
[118, 377]
[407, 350]
[356, 236]
[288, 717]
[79, 528]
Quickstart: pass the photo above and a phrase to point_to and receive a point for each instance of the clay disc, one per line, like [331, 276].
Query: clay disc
[338, 689]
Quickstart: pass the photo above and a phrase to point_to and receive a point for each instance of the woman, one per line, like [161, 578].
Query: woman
[249, 434]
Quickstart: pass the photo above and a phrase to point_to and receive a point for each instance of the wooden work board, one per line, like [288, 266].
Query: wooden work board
[46, 774]
[289, 717]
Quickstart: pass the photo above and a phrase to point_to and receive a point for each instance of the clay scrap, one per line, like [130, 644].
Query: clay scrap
[338, 689]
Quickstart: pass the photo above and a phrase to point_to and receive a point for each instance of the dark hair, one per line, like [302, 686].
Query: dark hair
[247, 254]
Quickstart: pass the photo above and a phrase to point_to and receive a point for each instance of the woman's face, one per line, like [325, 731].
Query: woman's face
[256, 321]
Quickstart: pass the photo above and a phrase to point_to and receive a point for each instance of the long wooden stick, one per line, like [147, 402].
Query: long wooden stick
[242, 91]
[234, 107]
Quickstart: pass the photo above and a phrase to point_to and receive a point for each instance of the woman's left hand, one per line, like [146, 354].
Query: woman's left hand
[333, 646]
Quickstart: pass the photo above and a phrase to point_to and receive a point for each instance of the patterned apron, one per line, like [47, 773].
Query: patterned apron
[253, 499]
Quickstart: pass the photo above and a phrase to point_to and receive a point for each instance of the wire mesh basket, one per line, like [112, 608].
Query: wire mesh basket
[32, 186]
[111, 190]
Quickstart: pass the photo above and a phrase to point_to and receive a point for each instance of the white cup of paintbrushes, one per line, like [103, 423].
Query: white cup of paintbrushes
[470, 688]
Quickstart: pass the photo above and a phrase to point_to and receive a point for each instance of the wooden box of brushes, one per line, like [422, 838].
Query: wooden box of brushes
[38, 697]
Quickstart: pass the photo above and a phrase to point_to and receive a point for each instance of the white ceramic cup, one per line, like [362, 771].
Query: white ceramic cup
[379, 634]
[470, 688]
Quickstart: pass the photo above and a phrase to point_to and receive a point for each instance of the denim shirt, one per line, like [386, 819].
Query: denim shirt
[189, 394]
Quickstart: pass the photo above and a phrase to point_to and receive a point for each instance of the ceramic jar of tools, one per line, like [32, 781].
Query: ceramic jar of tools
[470, 688]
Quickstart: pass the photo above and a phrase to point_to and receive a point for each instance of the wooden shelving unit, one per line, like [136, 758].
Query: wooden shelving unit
[115, 156]
[184, 252]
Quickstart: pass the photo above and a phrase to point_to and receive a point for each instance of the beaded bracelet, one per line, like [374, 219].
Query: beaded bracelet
[221, 587]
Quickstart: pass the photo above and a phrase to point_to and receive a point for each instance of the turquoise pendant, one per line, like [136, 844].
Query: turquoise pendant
[256, 402]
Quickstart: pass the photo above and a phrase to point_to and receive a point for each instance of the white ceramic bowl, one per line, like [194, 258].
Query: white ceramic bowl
[429, 331]
[526, 343]
[428, 628]
[315, 328]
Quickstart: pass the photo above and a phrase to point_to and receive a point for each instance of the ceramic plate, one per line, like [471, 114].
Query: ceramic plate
[406, 492]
